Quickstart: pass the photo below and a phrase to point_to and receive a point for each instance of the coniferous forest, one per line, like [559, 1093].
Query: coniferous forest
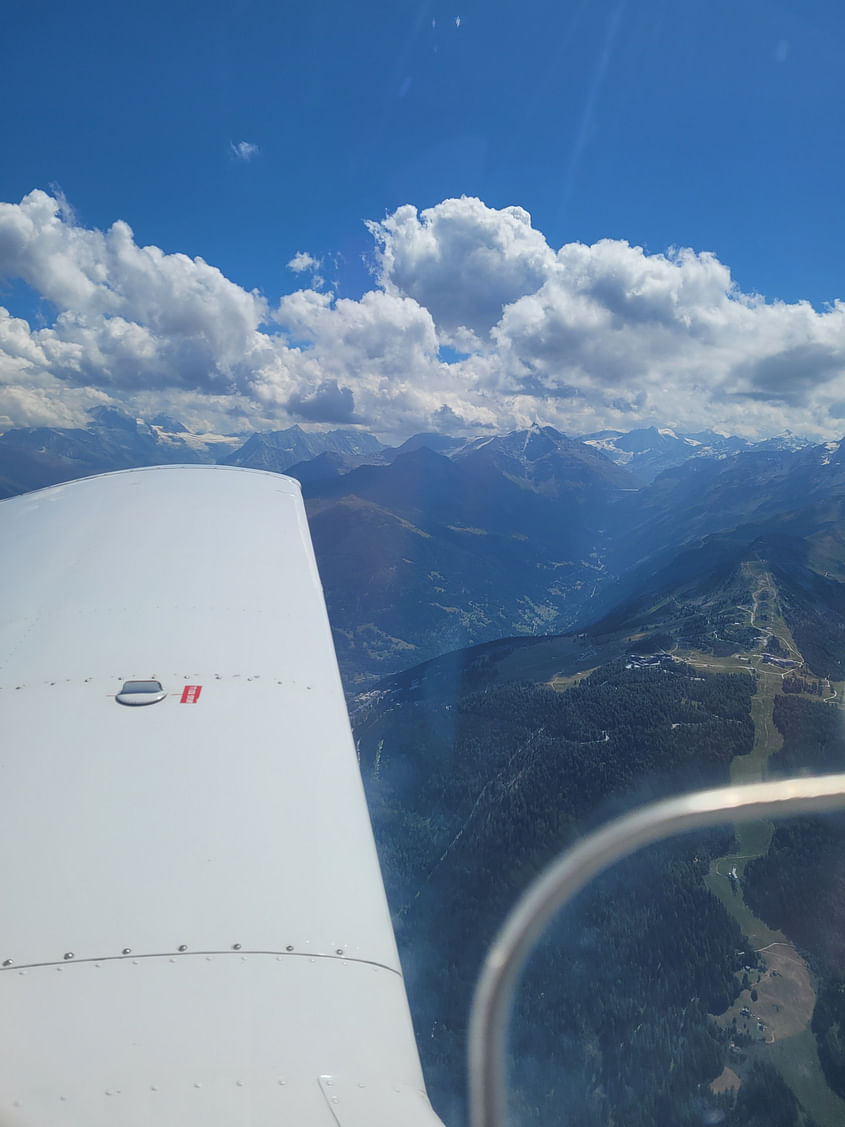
[471, 795]
[799, 885]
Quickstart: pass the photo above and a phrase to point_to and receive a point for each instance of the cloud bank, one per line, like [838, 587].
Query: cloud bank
[473, 318]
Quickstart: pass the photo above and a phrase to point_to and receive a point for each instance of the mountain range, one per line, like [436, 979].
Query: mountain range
[442, 542]
[648, 451]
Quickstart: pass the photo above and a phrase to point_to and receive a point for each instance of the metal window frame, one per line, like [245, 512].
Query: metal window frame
[572, 870]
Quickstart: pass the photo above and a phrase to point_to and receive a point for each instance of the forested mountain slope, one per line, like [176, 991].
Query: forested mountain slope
[429, 554]
[471, 795]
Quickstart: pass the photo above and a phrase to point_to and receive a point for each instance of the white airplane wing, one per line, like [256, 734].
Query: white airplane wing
[193, 927]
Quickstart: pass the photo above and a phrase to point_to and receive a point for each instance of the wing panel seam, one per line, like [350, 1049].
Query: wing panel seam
[193, 954]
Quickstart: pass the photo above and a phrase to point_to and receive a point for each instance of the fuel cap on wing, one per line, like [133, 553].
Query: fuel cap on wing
[141, 692]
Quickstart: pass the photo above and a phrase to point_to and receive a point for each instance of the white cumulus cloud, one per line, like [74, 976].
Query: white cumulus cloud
[303, 261]
[462, 261]
[581, 336]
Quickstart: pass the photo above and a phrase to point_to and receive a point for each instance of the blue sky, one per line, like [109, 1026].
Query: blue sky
[245, 133]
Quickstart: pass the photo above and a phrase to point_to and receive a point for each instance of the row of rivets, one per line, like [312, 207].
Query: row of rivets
[155, 1088]
[185, 677]
[183, 947]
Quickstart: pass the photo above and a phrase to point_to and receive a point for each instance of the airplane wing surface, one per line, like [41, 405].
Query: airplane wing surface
[194, 927]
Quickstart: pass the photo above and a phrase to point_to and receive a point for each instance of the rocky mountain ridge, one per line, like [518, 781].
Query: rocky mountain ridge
[425, 550]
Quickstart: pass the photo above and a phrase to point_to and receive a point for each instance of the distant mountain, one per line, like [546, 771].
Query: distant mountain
[547, 462]
[708, 495]
[649, 451]
[207, 447]
[533, 475]
[32, 457]
[786, 440]
[325, 467]
[439, 443]
[278, 450]
[169, 424]
[430, 553]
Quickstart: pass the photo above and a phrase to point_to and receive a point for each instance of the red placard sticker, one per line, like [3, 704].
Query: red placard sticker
[191, 694]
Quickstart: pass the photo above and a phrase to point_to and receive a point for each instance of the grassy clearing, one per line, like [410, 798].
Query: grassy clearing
[560, 683]
[784, 998]
[797, 1060]
[701, 660]
[751, 768]
[727, 1081]
[757, 933]
[752, 840]
[794, 1056]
